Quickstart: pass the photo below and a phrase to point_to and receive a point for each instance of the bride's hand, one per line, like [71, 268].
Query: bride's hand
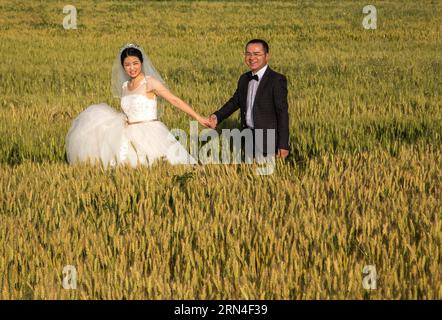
[204, 121]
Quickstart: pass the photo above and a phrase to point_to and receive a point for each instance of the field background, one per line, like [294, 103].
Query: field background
[362, 185]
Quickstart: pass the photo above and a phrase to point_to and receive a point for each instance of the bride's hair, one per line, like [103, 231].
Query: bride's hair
[130, 52]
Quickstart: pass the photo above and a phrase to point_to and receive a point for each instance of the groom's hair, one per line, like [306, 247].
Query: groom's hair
[264, 44]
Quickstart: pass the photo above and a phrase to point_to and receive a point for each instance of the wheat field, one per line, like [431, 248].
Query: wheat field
[361, 187]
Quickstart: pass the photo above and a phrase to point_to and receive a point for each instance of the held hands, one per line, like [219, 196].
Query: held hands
[205, 122]
[213, 121]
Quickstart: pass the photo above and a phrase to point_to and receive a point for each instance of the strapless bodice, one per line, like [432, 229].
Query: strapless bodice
[136, 105]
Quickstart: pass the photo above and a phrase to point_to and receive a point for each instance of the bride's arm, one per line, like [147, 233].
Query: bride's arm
[163, 92]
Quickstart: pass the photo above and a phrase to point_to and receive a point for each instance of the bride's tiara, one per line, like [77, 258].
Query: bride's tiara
[130, 45]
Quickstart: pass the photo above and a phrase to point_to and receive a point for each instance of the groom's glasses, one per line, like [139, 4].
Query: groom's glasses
[253, 54]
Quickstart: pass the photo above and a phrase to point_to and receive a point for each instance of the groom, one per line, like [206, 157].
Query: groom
[261, 96]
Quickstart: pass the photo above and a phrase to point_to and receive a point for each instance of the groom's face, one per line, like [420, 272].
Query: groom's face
[255, 56]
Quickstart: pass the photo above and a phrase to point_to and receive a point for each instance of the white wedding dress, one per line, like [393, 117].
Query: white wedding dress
[100, 133]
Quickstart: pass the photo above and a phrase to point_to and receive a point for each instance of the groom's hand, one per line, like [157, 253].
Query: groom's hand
[282, 153]
[213, 121]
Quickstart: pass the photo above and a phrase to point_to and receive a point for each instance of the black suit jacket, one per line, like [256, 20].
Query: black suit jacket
[270, 108]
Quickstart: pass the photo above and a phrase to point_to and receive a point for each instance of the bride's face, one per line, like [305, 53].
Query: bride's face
[132, 66]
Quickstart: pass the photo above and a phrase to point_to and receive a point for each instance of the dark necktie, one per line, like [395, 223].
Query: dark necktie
[255, 77]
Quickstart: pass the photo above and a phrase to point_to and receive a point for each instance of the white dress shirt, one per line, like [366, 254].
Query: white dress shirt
[251, 93]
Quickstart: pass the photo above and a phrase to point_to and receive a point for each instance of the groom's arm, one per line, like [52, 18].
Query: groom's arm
[229, 107]
[282, 114]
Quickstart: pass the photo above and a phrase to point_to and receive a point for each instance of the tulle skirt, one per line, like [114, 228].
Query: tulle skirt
[100, 133]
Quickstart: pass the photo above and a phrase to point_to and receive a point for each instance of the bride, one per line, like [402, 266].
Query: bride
[100, 133]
